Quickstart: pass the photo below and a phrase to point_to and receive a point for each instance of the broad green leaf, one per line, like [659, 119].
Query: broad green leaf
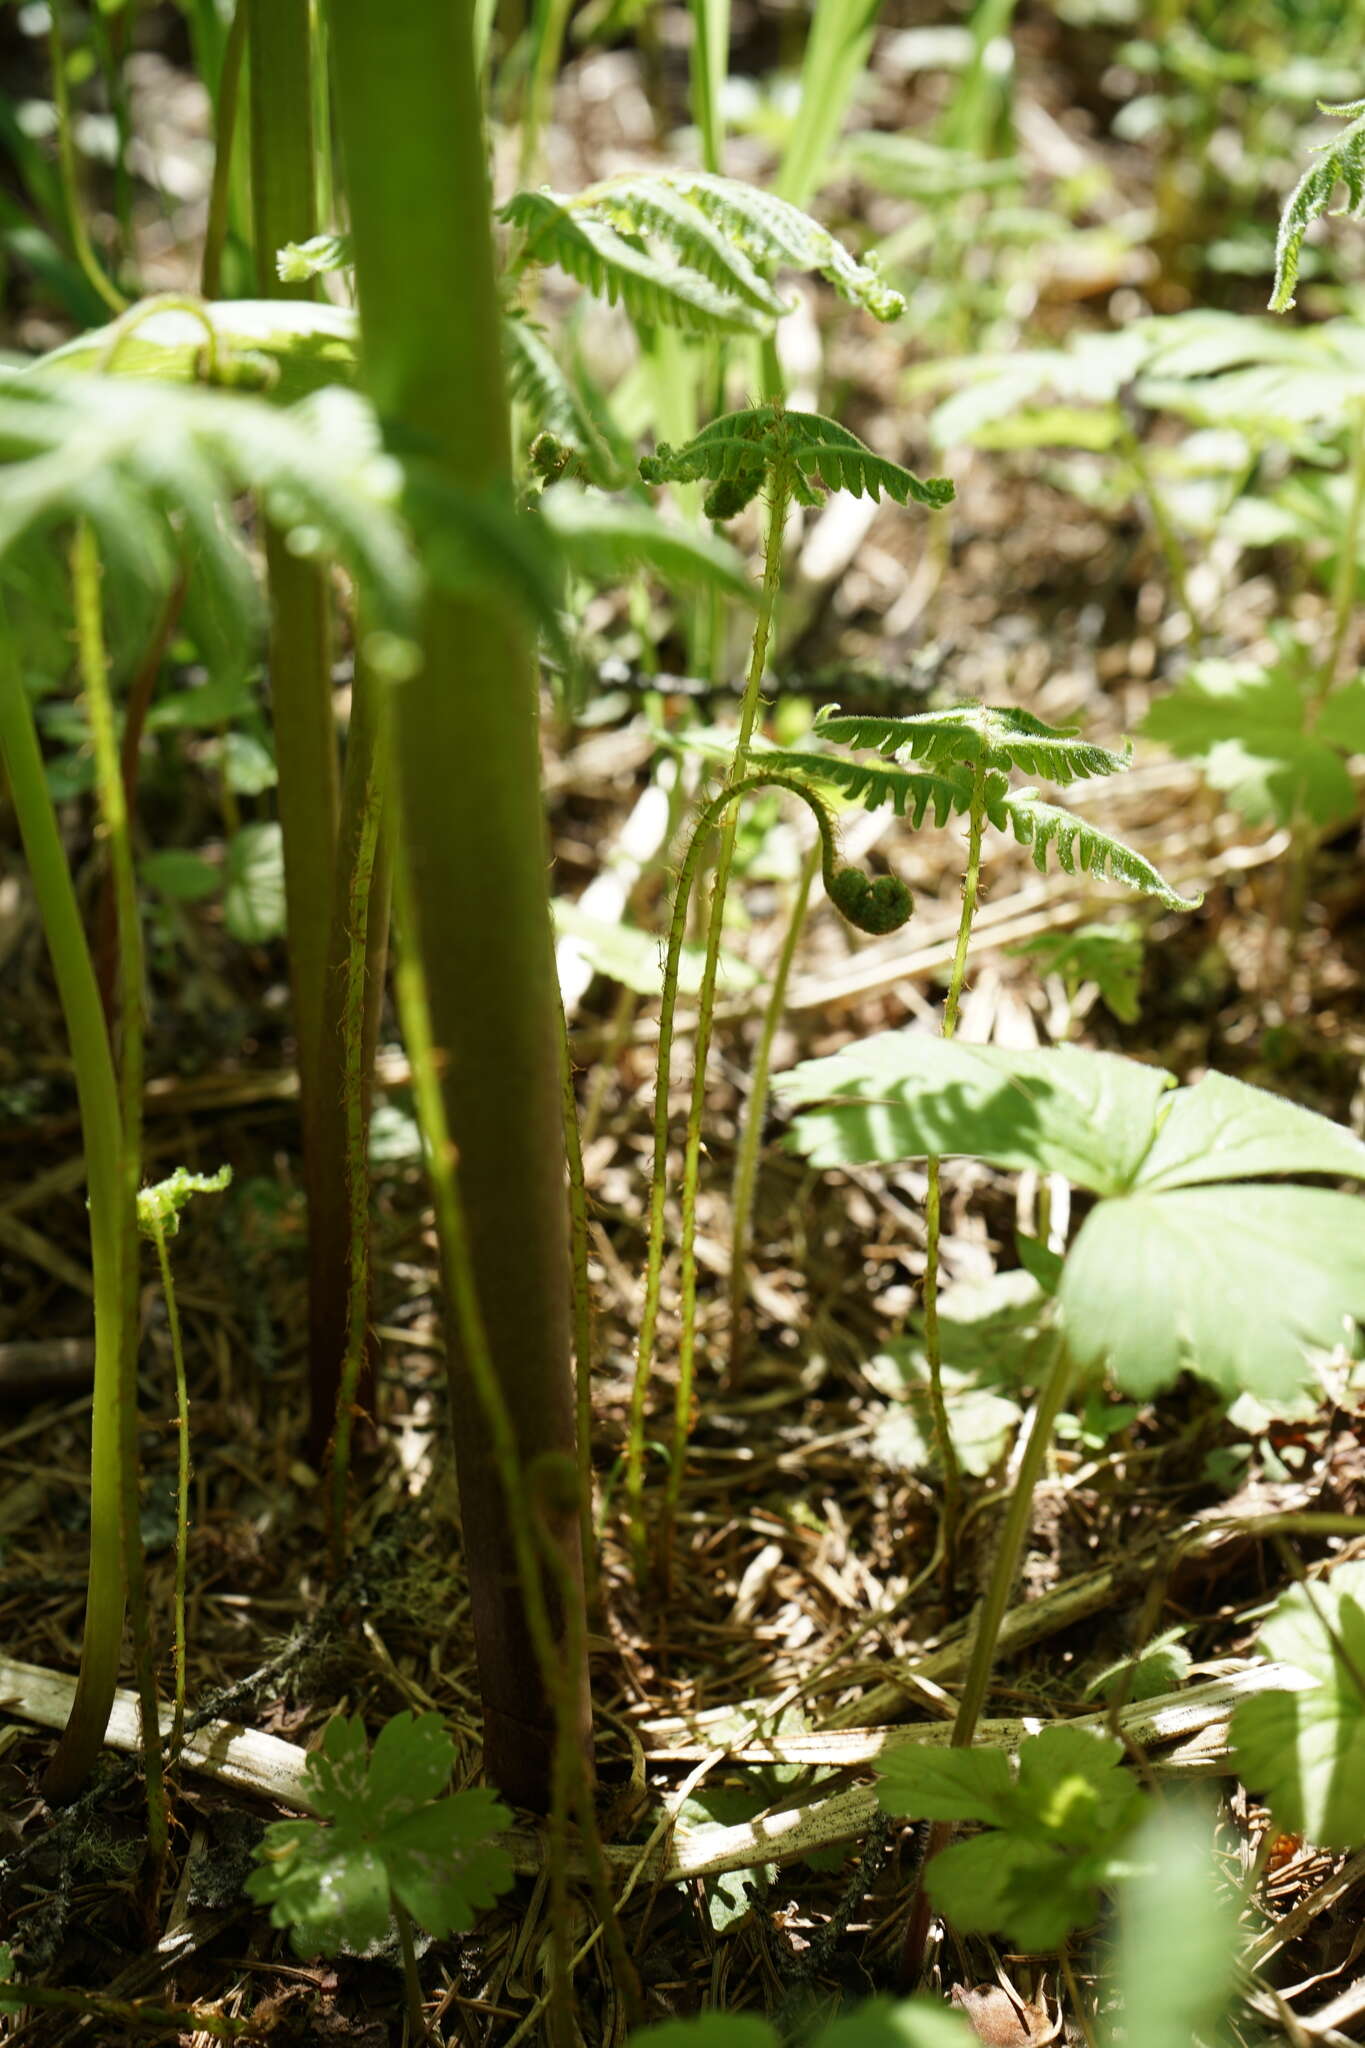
[909, 2023]
[253, 884]
[907, 1095]
[1237, 1283]
[293, 346]
[947, 1784]
[1221, 1129]
[1074, 1783]
[389, 1834]
[1254, 731]
[1305, 1751]
[727, 1895]
[1177, 1948]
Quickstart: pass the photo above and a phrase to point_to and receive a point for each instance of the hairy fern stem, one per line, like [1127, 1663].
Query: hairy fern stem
[354, 1007]
[582, 1317]
[113, 811]
[157, 1231]
[758, 656]
[881, 906]
[933, 1201]
[755, 1109]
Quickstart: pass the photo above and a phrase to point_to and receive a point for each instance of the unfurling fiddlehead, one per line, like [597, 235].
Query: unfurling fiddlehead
[876, 905]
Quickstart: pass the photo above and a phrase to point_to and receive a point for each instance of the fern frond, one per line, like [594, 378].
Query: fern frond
[1080, 847]
[1339, 162]
[771, 232]
[909, 793]
[740, 448]
[652, 291]
[536, 381]
[299, 262]
[656, 206]
[1001, 738]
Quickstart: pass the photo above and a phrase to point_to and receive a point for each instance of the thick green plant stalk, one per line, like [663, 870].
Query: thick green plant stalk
[710, 60]
[933, 1201]
[644, 1360]
[284, 209]
[97, 1093]
[468, 809]
[113, 810]
[549, 22]
[751, 1127]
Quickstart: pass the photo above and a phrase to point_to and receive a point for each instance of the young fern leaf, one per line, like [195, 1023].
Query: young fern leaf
[973, 733]
[698, 213]
[301, 262]
[909, 793]
[738, 451]
[1339, 162]
[553, 405]
[1080, 847]
[653, 291]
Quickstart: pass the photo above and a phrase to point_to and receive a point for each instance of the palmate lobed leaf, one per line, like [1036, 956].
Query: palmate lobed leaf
[1188, 1262]
[1262, 738]
[1054, 1827]
[911, 1094]
[1236, 1282]
[1305, 1750]
[390, 1834]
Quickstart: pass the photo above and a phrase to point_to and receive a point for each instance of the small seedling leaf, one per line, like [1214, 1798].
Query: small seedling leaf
[253, 884]
[161, 1205]
[390, 1834]
[910, 2023]
[948, 1784]
[1305, 1751]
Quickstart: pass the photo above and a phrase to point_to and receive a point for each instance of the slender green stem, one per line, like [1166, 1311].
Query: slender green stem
[933, 1202]
[97, 1093]
[1018, 1516]
[225, 135]
[582, 1317]
[182, 1477]
[81, 249]
[879, 906]
[1136, 456]
[1348, 563]
[113, 809]
[706, 1004]
[412, 1983]
[755, 1110]
[354, 1007]
[551, 20]
[134, 2014]
[986, 1632]
[644, 1358]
